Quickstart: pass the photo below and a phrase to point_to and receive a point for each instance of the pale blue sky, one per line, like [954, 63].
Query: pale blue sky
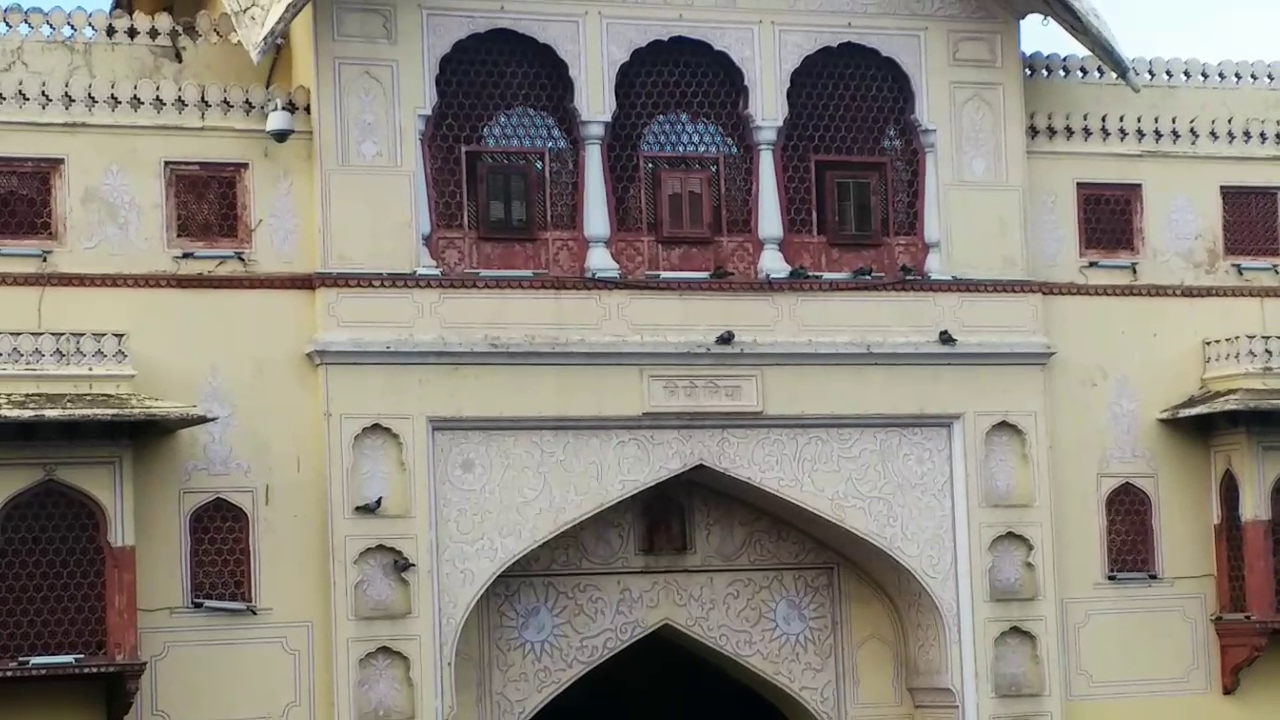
[1209, 31]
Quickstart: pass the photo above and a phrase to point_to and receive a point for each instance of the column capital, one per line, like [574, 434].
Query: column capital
[593, 131]
[765, 133]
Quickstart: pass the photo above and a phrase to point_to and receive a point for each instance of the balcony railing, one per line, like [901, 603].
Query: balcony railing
[1241, 355]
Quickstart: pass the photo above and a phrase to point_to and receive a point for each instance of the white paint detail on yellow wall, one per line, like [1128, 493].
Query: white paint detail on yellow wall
[1122, 413]
[219, 455]
[117, 214]
[283, 223]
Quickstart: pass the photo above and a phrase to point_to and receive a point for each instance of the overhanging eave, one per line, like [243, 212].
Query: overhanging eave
[1219, 402]
[136, 412]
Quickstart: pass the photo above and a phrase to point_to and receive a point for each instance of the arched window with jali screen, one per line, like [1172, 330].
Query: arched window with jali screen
[502, 156]
[53, 574]
[220, 548]
[1233, 545]
[852, 165]
[1130, 532]
[681, 162]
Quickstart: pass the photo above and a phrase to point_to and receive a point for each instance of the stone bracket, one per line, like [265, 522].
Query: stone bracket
[1241, 643]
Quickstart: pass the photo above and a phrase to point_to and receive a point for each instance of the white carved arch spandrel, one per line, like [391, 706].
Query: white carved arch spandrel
[441, 31]
[794, 44]
[740, 42]
[501, 493]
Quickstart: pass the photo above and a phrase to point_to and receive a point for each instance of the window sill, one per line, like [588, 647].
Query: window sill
[210, 253]
[202, 612]
[506, 237]
[683, 275]
[1132, 584]
[33, 250]
[849, 277]
[1255, 266]
[874, 241]
[686, 238]
[506, 274]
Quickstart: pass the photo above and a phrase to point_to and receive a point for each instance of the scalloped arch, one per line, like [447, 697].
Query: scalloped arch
[794, 45]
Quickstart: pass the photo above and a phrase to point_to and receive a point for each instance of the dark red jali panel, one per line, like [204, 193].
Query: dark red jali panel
[850, 102]
[221, 553]
[1233, 532]
[681, 104]
[503, 97]
[1275, 539]
[1130, 531]
[53, 584]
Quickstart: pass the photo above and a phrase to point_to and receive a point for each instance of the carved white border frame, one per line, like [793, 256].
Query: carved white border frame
[795, 43]
[245, 498]
[740, 42]
[962, 614]
[565, 34]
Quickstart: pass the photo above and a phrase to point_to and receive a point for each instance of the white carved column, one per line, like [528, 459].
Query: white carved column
[426, 263]
[595, 203]
[932, 202]
[769, 204]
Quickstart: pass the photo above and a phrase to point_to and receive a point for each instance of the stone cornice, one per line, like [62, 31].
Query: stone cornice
[683, 351]
[314, 281]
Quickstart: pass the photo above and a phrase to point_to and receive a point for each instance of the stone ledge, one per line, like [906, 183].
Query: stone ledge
[682, 350]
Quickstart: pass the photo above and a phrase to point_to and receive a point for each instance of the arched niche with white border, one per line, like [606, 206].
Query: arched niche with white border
[384, 687]
[1017, 668]
[1007, 475]
[381, 589]
[379, 471]
[1011, 573]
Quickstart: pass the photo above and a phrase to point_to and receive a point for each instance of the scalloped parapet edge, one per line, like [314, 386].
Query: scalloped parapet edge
[38, 26]
[1155, 72]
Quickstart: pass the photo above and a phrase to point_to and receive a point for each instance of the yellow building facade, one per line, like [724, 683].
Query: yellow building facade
[804, 359]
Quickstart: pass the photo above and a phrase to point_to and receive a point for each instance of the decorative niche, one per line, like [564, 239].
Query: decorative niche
[1017, 669]
[379, 473]
[384, 686]
[1011, 575]
[381, 588]
[1007, 479]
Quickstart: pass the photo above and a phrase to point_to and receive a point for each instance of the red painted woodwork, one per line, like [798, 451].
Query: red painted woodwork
[65, 590]
[503, 97]
[681, 104]
[850, 101]
[874, 174]
[684, 208]
[1247, 583]
[1275, 542]
[1240, 643]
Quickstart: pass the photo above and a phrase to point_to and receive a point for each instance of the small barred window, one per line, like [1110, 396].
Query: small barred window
[207, 205]
[1131, 542]
[221, 553]
[1110, 219]
[30, 208]
[1250, 222]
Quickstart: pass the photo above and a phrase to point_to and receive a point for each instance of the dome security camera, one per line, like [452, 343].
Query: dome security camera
[279, 123]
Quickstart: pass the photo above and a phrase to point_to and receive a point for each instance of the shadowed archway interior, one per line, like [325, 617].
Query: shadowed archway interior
[661, 676]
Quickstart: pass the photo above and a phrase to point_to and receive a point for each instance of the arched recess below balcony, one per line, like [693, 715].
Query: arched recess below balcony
[584, 497]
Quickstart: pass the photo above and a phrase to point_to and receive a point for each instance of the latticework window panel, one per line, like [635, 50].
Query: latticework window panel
[221, 552]
[1110, 219]
[1275, 539]
[1131, 542]
[681, 104]
[849, 103]
[207, 205]
[503, 97]
[1250, 222]
[53, 574]
[1233, 538]
[29, 207]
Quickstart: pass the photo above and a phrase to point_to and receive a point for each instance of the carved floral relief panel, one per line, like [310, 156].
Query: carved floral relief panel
[378, 477]
[384, 686]
[368, 113]
[546, 631]
[978, 119]
[501, 493]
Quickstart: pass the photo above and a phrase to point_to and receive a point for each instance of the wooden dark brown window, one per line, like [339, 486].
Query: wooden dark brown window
[1251, 222]
[30, 204]
[220, 552]
[684, 204]
[1110, 219]
[207, 206]
[507, 198]
[852, 206]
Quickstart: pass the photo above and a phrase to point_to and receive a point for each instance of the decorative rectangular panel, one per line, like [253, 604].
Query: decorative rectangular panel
[368, 96]
[698, 391]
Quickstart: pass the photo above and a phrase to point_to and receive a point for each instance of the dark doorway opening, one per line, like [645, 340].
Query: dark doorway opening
[659, 678]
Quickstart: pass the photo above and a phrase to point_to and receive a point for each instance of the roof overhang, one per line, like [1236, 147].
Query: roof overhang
[122, 679]
[128, 411]
[1218, 402]
[262, 24]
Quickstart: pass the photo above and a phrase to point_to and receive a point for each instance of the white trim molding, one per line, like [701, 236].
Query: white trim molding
[669, 350]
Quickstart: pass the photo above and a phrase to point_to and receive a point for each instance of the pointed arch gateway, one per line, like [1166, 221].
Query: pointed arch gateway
[880, 497]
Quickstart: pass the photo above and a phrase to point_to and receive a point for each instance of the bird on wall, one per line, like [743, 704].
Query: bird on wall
[402, 565]
[908, 271]
[946, 338]
[370, 508]
[721, 273]
[726, 338]
[865, 271]
[800, 272]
